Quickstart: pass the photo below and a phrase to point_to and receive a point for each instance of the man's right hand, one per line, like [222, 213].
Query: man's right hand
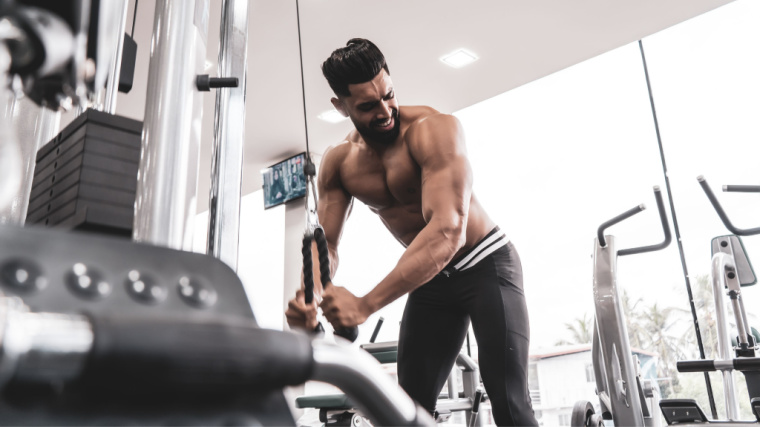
[301, 315]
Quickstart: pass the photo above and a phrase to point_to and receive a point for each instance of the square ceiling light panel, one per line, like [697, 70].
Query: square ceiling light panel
[332, 116]
[459, 58]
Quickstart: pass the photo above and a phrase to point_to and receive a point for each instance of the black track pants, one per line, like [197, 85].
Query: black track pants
[436, 320]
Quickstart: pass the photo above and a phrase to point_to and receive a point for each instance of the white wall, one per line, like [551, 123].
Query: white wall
[260, 256]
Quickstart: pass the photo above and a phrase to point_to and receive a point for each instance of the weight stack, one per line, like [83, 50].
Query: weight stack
[85, 178]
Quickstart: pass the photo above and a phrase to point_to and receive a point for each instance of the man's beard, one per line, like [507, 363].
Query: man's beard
[386, 137]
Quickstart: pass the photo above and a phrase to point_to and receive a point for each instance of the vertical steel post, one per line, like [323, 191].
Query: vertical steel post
[168, 172]
[112, 84]
[229, 135]
[31, 127]
[720, 262]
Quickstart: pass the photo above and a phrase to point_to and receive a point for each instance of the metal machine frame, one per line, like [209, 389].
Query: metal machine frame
[624, 397]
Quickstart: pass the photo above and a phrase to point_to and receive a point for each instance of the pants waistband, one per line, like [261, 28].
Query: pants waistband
[494, 240]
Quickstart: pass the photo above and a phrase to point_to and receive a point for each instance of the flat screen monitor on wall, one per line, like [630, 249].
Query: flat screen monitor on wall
[284, 181]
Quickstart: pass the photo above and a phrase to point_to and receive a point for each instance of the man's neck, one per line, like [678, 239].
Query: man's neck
[380, 146]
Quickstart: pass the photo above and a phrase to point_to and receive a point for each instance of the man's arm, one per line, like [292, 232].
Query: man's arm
[333, 209]
[437, 144]
[334, 203]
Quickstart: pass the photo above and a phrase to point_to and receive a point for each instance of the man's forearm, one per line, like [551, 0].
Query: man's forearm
[333, 261]
[432, 249]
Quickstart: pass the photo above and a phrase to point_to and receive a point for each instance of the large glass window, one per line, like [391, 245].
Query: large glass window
[704, 74]
[706, 80]
[556, 158]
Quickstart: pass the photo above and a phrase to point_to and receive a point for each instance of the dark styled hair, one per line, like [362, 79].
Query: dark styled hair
[359, 62]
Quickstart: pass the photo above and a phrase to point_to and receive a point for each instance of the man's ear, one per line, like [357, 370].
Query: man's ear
[338, 104]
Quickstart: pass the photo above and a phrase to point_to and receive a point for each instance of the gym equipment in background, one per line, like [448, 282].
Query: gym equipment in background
[85, 178]
[338, 409]
[624, 396]
[730, 271]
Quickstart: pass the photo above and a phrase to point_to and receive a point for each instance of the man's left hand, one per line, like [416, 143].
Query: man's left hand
[342, 308]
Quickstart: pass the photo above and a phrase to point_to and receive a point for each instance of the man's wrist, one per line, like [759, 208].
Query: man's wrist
[370, 306]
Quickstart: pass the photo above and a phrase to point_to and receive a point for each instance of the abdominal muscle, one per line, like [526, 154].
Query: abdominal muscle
[405, 223]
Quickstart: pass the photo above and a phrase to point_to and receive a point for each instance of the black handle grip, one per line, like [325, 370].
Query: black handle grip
[324, 256]
[665, 229]
[219, 82]
[186, 355]
[742, 188]
[475, 407]
[204, 83]
[308, 278]
[631, 212]
[722, 213]
[695, 365]
[744, 364]
[377, 329]
[308, 269]
[476, 400]
[625, 215]
[324, 274]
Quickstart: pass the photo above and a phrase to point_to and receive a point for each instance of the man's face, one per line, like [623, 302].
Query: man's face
[372, 108]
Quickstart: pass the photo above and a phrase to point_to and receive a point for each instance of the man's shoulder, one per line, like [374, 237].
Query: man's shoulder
[422, 116]
[335, 155]
[433, 123]
[337, 152]
[415, 113]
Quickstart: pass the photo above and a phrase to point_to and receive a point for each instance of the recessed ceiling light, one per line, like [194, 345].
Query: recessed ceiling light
[459, 58]
[332, 116]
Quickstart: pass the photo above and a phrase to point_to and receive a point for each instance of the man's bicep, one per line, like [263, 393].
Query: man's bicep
[334, 201]
[438, 146]
[446, 190]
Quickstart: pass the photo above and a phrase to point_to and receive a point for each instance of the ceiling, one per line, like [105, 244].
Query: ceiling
[517, 41]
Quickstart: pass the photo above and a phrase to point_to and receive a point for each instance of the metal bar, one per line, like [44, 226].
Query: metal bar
[745, 322]
[453, 383]
[229, 136]
[665, 230]
[112, 84]
[722, 213]
[741, 324]
[677, 231]
[720, 262]
[734, 286]
[168, 171]
[742, 188]
[623, 216]
[31, 127]
[356, 373]
[10, 155]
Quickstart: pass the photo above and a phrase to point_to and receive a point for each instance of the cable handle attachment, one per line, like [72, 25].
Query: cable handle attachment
[318, 235]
